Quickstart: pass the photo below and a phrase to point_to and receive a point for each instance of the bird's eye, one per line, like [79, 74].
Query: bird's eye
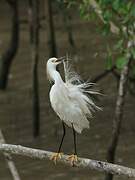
[53, 60]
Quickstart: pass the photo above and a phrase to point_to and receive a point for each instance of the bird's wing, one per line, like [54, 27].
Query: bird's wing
[80, 91]
[80, 95]
[81, 106]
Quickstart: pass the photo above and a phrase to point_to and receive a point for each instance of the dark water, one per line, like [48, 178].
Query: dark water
[16, 106]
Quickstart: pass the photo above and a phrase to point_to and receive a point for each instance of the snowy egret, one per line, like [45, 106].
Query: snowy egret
[71, 100]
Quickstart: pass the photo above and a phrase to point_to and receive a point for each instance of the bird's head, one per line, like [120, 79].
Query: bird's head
[52, 64]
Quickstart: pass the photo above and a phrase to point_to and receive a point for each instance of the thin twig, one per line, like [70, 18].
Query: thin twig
[114, 29]
[102, 75]
[81, 163]
[10, 162]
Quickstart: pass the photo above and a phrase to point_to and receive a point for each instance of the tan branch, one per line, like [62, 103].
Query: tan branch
[114, 29]
[10, 162]
[82, 162]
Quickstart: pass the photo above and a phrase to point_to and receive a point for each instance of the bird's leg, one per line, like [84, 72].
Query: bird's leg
[73, 158]
[64, 132]
[59, 154]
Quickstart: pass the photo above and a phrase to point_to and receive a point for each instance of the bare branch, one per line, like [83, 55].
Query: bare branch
[81, 163]
[102, 75]
[10, 162]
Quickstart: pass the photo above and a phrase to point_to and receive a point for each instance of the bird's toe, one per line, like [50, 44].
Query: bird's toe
[73, 159]
[56, 156]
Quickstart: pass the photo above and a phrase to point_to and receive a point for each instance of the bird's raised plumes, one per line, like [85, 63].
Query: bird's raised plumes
[71, 100]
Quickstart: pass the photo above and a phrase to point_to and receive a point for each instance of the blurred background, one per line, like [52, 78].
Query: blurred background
[30, 33]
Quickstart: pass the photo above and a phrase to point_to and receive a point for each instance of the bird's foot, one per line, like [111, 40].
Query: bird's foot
[73, 159]
[56, 156]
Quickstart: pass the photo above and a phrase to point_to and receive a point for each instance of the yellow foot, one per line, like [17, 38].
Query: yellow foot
[73, 159]
[56, 156]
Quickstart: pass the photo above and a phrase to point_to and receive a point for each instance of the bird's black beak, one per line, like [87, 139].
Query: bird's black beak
[61, 59]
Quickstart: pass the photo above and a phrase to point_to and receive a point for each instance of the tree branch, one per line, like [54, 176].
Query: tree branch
[102, 75]
[82, 162]
[9, 160]
[114, 29]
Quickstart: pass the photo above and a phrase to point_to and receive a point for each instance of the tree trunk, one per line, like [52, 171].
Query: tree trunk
[50, 29]
[8, 56]
[67, 23]
[34, 40]
[118, 116]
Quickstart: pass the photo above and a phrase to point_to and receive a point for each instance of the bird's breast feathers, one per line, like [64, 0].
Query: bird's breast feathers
[68, 105]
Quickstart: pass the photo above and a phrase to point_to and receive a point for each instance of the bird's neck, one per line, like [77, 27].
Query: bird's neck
[55, 76]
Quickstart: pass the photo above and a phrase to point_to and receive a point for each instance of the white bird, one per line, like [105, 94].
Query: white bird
[71, 100]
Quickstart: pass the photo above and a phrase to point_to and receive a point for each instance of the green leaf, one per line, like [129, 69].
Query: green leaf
[118, 45]
[121, 62]
[82, 10]
[109, 62]
[123, 10]
[133, 11]
[106, 29]
[116, 4]
[107, 15]
[126, 19]
[133, 53]
[104, 2]
[129, 5]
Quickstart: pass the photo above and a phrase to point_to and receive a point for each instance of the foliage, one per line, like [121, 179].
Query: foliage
[121, 62]
[109, 62]
[122, 14]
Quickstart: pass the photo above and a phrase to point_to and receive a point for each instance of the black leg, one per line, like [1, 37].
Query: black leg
[74, 133]
[64, 132]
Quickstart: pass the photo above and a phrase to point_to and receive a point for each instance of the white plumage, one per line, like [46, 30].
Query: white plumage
[71, 100]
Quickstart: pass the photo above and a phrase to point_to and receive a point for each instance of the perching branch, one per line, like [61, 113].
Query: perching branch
[81, 163]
